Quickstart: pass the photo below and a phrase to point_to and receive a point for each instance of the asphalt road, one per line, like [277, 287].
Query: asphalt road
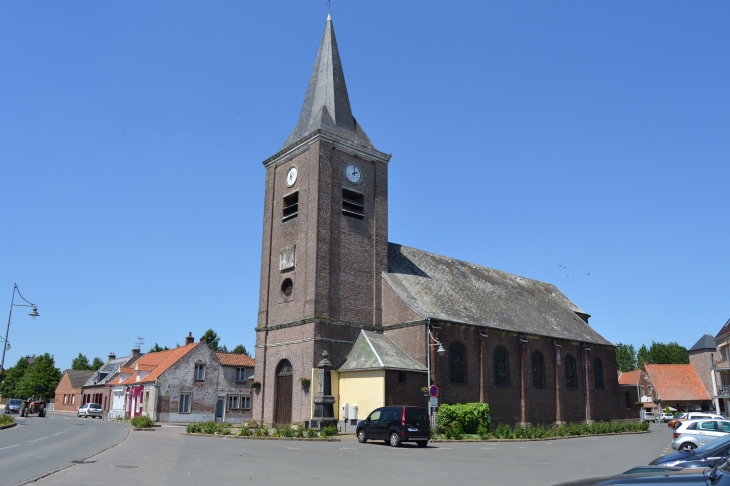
[164, 457]
[45, 444]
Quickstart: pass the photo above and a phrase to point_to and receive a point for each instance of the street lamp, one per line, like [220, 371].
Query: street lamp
[33, 314]
[441, 351]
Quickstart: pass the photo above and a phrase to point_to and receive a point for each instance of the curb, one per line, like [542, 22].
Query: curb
[139, 429]
[540, 439]
[3, 427]
[301, 439]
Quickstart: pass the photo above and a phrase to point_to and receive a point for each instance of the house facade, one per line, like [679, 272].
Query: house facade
[720, 372]
[69, 396]
[96, 389]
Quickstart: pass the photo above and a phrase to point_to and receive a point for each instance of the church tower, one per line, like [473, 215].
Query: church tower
[325, 243]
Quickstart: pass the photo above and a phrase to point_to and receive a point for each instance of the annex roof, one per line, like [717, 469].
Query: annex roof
[676, 382]
[234, 359]
[79, 377]
[326, 104]
[629, 377]
[106, 373]
[452, 290]
[706, 342]
[156, 364]
[373, 351]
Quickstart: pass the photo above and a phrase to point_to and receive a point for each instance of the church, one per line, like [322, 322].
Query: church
[393, 319]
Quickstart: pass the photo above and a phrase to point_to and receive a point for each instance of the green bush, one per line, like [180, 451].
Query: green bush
[470, 417]
[262, 431]
[286, 431]
[220, 428]
[329, 431]
[6, 419]
[312, 433]
[566, 430]
[142, 422]
[245, 430]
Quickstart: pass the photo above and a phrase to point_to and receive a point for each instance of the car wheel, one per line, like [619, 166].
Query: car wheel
[422, 443]
[361, 436]
[394, 440]
[687, 446]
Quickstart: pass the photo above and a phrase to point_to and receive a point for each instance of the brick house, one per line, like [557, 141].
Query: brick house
[328, 272]
[185, 384]
[68, 392]
[96, 389]
[234, 381]
[677, 385]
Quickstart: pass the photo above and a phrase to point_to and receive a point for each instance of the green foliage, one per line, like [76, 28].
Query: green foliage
[6, 419]
[660, 353]
[42, 378]
[245, 431]
[329, 431]
[642, 356]
[463, 418]
[157, 348]
[211, 339]
[13, 376]
[142, 422]
[212, 428]
[540, 432]
[97, 363]
[80, 362]
[262, 431]
[240, 349]
[625, 357]
[311, 434]
[286, 431]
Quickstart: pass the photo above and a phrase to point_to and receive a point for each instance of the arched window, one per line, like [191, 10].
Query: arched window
[598, 373]
[571, 375]
[538, 370]
[456, 363]
[501, 369]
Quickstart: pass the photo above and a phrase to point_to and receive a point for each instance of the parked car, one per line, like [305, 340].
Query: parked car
[694, 433]
[665, 417]
[395, 425]
[90, 410]
[693, 416]
[13, 405]
[704, 456]
[648, 417]
[718, 476]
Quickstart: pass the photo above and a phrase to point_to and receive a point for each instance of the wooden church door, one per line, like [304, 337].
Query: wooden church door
[284, 393]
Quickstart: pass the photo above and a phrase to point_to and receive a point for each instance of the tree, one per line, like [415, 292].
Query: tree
[42, 378]
[211, 339]
[97, 363]
[14, 375]
[642, 356]
[660, 353]
[625, 357]
[157, 348]
[80, 362]
[240, 349]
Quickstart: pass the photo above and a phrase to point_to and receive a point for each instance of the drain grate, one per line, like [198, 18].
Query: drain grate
[124, 466]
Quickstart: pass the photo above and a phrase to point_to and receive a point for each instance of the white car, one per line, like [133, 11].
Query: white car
[665, 417]
[90, 410]
[694, 433]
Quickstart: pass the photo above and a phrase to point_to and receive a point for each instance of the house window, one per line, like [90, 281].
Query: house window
[73, 399]
[501, 370]
[456, 363]
[538, 370]
[233, 402]
[184, 403]
[291, 206]
[65, 397]
[627, 399]
[199, 372]
[353, 204]
[240, 374]
[246, 403]
[598, 373]
[571, 376]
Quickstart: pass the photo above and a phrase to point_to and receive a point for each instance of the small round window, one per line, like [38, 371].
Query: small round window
[287, 286]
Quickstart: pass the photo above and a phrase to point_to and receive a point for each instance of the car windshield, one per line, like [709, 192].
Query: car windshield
[711, 446]
[15, 401]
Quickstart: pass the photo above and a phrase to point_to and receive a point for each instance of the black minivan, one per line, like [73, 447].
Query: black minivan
[395, 425]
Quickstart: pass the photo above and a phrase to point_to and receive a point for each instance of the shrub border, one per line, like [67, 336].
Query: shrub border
[251, 437]
[541, 438]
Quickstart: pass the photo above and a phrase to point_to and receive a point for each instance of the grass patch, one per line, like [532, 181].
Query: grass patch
[6, 419]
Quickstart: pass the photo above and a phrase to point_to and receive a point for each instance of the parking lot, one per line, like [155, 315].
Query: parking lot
[166, 457]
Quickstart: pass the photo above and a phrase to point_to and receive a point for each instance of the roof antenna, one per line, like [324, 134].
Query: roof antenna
[140, 342]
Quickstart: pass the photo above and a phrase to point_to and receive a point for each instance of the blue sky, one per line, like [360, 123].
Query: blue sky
[525, 135]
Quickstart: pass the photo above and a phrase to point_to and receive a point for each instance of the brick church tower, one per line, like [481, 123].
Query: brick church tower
[325, 243]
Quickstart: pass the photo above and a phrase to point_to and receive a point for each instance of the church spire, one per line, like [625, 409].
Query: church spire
[326, 104]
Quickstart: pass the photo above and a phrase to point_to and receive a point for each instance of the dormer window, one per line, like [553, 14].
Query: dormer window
[199, 372]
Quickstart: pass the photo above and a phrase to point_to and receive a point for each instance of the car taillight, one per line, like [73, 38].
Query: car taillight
[676, 435]
[403, 418]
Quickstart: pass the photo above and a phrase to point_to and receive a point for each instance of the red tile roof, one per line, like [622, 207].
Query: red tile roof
[676, 382]
[232, 359]
[157, 363]
[629, 377]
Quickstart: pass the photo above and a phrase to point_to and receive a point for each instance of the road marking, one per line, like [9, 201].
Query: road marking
[59, 433]
[523, 447]
[349, 448]
[488, 448]
[38, 439]
[9, 447]
[293, 448]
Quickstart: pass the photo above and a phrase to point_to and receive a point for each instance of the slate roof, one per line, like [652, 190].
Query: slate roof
[79, 377]
[723, 332]
[157, 363]
[629, 377]
[705, 342]
[452, 290]
[110, 368]
[373, 351]
[326, 104]
[233, 359]
[676, 382]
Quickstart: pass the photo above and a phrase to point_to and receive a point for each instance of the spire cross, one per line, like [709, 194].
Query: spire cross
[329, 9]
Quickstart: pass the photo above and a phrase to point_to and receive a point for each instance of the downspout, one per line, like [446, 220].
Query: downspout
[585, 379]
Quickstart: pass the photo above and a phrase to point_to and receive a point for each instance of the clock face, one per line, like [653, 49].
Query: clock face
[353, 173]
[291, 176]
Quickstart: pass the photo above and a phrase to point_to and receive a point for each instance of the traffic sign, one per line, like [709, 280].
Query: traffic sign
[433, 391]
[434, 402]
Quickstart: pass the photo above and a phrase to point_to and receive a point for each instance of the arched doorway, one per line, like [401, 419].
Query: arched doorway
[284, 375]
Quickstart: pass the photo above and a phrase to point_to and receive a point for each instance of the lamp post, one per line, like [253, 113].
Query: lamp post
[33, 314]
[440, 351]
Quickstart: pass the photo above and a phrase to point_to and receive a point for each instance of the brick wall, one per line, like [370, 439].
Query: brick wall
[64, 388]
[702, 363]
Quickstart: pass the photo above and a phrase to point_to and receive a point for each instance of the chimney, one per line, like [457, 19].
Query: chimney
[136, 353]
[112, 356]
[189, 339]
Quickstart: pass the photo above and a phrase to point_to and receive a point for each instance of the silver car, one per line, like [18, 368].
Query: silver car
[90, 410]
[694, 433]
